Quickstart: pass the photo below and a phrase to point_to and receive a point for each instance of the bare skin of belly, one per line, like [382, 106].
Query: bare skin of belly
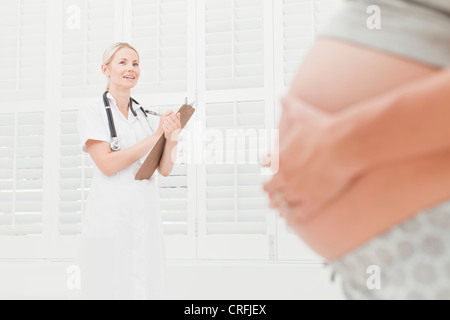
[334, 76]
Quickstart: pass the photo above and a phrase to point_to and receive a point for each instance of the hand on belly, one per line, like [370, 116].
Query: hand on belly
[308, 176]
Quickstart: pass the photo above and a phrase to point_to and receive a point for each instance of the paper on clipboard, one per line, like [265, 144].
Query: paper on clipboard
[152, 161]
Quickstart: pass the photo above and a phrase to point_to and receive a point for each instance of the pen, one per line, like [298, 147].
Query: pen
[154, 113]
[160, 115]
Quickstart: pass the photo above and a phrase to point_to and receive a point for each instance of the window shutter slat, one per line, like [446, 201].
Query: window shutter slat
[75, 175]
[83, 47]
[234, 37]
[160, 35]
[19, 230]
[21, 176]
[23, 31]
[235, 208]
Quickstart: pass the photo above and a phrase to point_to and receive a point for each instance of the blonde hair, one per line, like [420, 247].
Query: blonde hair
[109, 53]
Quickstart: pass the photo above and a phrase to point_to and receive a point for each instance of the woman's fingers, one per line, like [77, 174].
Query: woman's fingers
[275, 184]
[266, 160]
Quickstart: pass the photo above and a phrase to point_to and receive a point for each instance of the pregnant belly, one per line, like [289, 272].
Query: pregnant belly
[334, 76]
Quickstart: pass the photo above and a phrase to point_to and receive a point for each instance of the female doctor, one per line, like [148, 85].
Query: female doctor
[122, 254]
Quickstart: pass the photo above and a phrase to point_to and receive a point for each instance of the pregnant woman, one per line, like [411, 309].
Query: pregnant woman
[364, 155]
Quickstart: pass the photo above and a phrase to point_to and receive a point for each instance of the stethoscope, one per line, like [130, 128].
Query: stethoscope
[115, 143]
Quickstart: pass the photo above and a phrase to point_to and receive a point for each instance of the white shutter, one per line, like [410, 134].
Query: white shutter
[159, 33]
[177, 194]
[21, 173]
[7, 183]
[233, 209]
[22, 33]
[76, 169]
[234, 44]
[83, 45]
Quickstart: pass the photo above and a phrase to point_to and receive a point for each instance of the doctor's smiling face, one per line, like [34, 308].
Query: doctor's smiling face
[123, 69]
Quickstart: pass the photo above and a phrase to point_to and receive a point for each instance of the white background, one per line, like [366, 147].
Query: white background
[235, 58]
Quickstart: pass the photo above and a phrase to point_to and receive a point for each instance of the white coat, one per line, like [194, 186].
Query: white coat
[121, 252]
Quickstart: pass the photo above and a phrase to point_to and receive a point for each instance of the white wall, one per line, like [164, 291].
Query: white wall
[195, 280]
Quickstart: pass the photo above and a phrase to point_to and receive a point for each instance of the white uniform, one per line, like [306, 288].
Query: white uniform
[121, 252]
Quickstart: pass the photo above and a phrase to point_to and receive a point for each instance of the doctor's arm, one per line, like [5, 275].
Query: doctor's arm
[110, 162]
[172, 128]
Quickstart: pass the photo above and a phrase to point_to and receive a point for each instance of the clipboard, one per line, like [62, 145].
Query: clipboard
[152, 161]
